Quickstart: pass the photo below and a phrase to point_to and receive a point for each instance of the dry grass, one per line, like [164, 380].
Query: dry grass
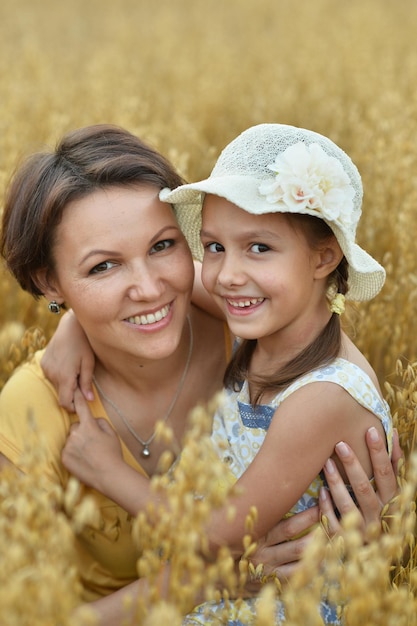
[188, 76]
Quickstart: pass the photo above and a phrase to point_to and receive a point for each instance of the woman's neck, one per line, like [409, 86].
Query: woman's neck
[144, 374]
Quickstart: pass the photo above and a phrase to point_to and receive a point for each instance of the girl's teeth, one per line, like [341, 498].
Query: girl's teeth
[151, 318]
[244, 303]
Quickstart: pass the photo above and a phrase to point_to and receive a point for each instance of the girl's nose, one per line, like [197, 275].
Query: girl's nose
[231, 272]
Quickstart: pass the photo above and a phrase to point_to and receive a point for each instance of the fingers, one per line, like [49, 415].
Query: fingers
[82, 409]
[104, 425]
[383, 470]
[397, 453]
[340, 495]
[328, 514]
[85, 377]
[281, 558]
[367, 500]
[66, 394]
[293, 526]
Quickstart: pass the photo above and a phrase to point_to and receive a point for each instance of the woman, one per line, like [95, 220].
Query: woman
[83, 226]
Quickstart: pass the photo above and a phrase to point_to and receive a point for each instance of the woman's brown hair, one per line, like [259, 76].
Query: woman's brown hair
[91, 158]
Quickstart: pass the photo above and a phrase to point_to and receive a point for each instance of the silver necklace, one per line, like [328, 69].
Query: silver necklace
[145, 444]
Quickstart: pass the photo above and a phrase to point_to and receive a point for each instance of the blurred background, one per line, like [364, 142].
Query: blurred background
[189, 75]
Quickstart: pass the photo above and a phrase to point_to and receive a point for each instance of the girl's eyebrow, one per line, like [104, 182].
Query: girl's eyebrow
[247, 234]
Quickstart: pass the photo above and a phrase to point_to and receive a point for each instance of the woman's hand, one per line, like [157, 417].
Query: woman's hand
[281, 549]
[369, 502]
[92, 451]
[280, 552]
[68, 361]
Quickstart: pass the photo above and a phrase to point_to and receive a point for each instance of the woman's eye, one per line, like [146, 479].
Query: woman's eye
[258, 248]
[160, 246]
[214, 247]
[102, 267]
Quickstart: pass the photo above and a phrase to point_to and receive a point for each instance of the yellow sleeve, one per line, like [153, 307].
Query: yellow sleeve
[30, 415]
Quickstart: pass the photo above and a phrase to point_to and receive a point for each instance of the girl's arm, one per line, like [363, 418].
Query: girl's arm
[302, 435]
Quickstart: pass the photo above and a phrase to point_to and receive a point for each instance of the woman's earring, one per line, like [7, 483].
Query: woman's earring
[54, 307]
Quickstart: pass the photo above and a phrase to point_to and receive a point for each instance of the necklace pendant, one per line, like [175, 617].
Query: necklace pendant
[146, 452]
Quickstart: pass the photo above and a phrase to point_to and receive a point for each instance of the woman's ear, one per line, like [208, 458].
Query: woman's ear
[47, 284]
[329, 258]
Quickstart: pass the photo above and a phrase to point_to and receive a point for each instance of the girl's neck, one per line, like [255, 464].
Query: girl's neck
[270, 356]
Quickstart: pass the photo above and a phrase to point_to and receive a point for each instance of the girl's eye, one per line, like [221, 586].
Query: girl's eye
[160, 246]
[258, 248]
[102, 267]
[214, 247]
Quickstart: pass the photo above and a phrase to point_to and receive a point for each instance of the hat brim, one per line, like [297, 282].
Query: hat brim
[366, 275]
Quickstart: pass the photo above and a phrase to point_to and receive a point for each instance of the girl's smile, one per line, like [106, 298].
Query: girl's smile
[244, 306]
[263, 274]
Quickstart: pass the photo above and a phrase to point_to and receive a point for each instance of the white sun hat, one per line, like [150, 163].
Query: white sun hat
[273, 168]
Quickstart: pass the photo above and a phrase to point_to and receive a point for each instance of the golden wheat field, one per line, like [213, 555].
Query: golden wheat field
[188, 76]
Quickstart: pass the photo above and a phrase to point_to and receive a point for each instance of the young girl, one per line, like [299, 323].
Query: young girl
[279, 217]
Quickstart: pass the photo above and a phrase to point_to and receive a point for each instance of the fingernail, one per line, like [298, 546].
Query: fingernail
[342, 449]
[323, 494]
[373, 434]
[90, 396]
[330, 466]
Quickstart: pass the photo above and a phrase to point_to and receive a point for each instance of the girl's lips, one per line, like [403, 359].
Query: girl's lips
[150, 318]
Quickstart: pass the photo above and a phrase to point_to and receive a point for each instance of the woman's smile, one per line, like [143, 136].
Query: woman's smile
[134, 267]
[151, 319]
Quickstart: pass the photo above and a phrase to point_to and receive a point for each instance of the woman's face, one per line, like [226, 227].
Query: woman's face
[123, 265]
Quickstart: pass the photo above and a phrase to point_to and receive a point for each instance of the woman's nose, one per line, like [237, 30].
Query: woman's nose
[144, 284]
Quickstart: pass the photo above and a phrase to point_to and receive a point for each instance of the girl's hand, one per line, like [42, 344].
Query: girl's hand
[92, 451]
[370, 502]
[68, 361]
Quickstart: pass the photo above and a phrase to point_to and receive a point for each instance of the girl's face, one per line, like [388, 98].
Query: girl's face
[123, 265]
[263, 274]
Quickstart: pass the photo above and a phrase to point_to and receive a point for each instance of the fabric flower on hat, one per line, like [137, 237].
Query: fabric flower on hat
[310, 181]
